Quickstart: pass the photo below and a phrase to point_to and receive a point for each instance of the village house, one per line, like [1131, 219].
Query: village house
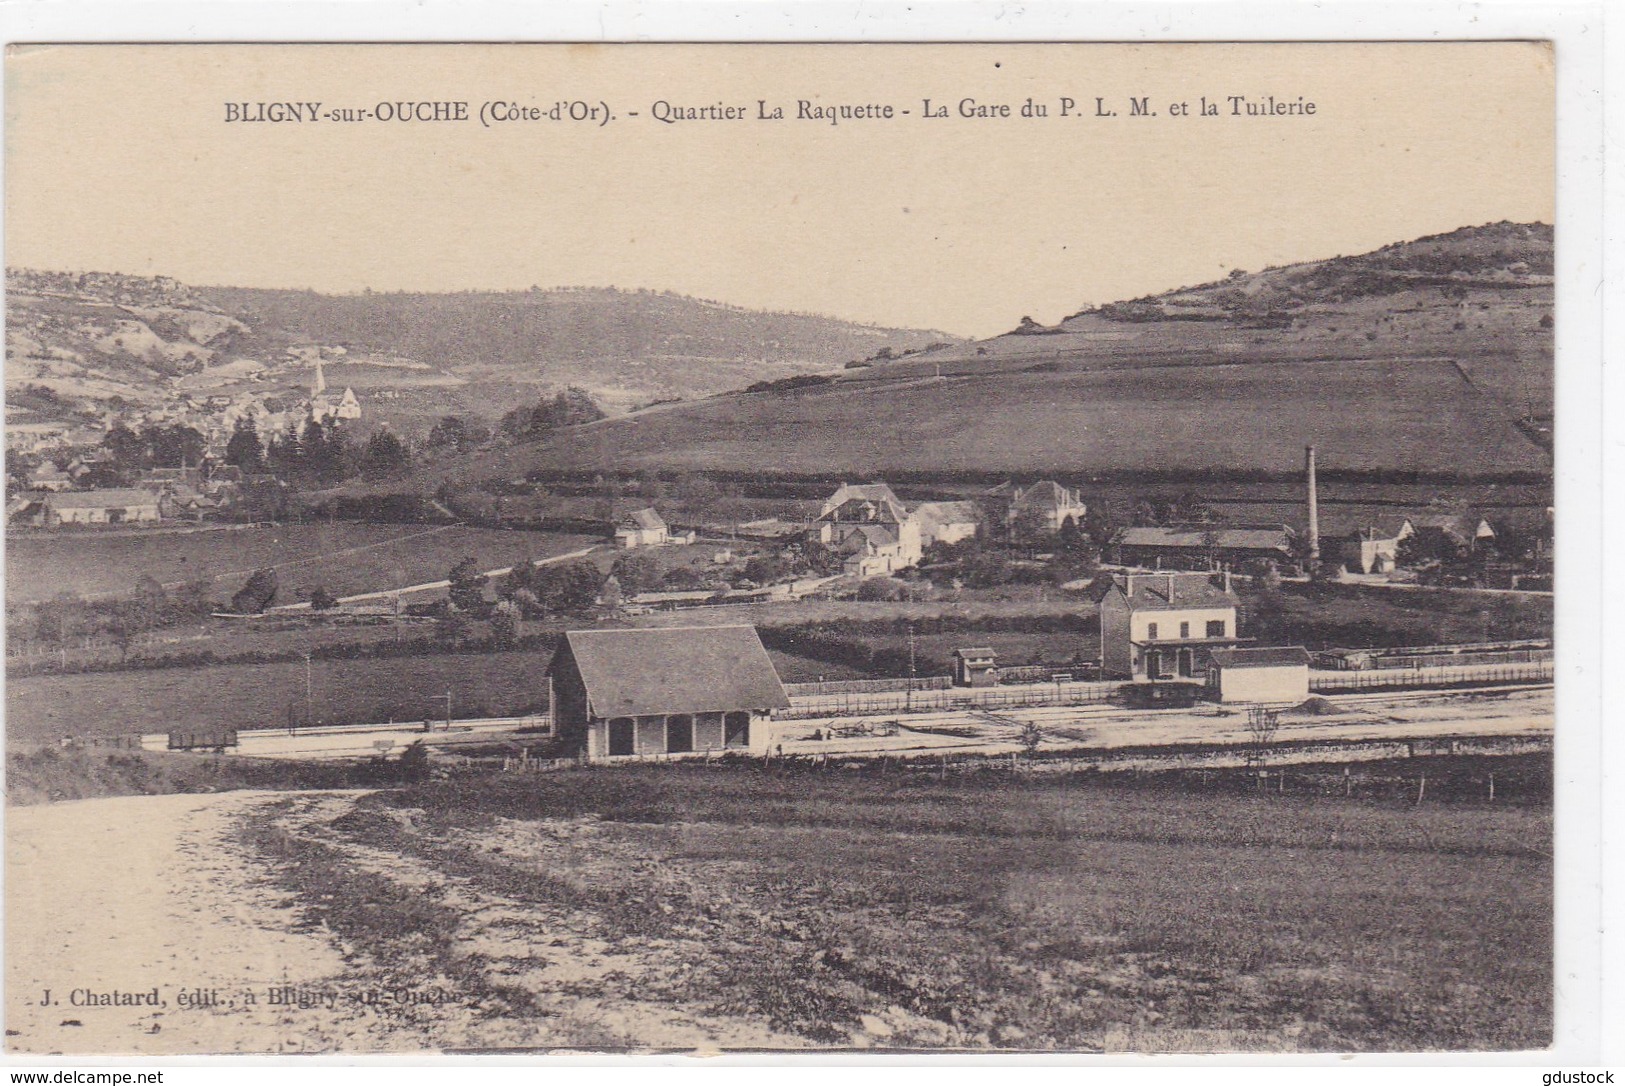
[650, 692]
[49, 477]
[874, 532]
[1261, 676]
[642, 528]
[27, 437]
[1165, 625]
[1440, 532]
[1044, 506]
[947, 522]
[98, 507]
[1202, 547]
[1369, 546]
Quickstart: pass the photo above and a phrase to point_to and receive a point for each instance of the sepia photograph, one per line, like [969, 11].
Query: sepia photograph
[780, 548]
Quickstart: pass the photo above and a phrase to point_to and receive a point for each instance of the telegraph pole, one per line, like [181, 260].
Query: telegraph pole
[910, 699]
[309, 699]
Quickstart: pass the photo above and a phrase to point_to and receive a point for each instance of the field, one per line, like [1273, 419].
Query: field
[1417, 414]
[46, 707]
[346, 558]
[731, 907]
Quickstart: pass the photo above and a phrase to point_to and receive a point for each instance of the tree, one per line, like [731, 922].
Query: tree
[569, 587]
[467, 589]
[505, 625]
[128, 451]
[610, 594]
[322, 600]
[636, 573]
[1071, 538]
[450, 432]
[127, 622]
[766, 568]
[1031, 526]
[385, 456]
[257, 593]
[245, 450]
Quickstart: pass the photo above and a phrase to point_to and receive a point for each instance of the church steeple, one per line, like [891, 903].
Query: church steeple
[319, 385]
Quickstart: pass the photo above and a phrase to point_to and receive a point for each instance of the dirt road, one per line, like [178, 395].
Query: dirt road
[152, 899]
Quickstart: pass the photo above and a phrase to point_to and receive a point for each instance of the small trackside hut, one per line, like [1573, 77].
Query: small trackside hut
[1263, 676]
[975, 667]
[651, 692]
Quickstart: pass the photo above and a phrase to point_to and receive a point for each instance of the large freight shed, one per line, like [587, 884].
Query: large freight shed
[1268, 676]
[632, 693]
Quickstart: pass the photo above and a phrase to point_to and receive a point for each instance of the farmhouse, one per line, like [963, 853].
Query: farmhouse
[621, 693]
[865, 503]
[643, 528]
[1211, 547]
[98, 507]
[1265, 676]
[1165, 625]
[874, 532]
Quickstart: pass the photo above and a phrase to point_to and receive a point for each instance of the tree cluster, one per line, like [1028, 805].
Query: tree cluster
[572, 407]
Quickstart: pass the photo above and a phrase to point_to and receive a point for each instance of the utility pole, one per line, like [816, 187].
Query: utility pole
[309, 699]
[910, 699]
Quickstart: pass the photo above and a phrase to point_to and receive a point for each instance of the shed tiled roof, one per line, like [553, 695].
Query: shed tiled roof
[949, 512]
[1293, 656]
[673, 670]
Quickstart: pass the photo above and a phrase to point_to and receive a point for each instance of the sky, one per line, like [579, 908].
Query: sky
[120, 158]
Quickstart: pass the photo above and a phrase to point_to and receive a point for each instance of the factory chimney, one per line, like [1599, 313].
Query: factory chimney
[1314, 504]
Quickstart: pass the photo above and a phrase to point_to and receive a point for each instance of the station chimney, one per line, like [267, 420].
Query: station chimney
[1314, 504]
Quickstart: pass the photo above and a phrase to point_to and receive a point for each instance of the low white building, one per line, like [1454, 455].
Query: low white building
[643, 528]
[99, 507]
[1260, 676]
[655, 692]
[947, 522]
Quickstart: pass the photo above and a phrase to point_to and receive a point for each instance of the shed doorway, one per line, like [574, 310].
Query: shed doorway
[737, 730]
[679, 734]
[620, 736]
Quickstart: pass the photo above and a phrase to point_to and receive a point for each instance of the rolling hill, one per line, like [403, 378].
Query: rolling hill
[1433, 355]
[89, 338]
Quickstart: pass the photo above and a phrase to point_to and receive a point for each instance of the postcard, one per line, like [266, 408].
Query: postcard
[780, 548]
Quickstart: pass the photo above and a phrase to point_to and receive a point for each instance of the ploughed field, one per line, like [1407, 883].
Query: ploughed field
[731, 907]
[343, 558]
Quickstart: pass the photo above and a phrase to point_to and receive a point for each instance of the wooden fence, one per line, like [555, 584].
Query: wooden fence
[1340, 682]
[986, 697]
[868, 686]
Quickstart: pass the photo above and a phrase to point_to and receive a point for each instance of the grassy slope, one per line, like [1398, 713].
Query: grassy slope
[1417, 357]
[981, 912]
[1416, 416]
